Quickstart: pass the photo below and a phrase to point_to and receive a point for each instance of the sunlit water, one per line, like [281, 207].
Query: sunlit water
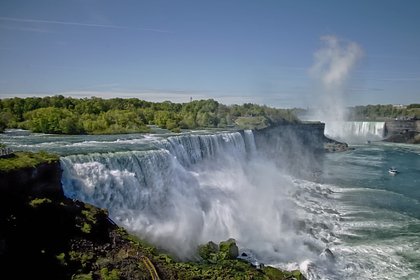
[180, 191]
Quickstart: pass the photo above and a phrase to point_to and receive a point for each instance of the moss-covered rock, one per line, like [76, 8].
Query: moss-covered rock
[30, 175]
[228, 249]
[273, 273]
[38, 201]
[209, 251]
[212, 253]
[257, 122]
[25, 159]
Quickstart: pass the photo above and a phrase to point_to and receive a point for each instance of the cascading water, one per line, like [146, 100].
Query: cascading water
[355, 131]
[250, 143]
[196, 188]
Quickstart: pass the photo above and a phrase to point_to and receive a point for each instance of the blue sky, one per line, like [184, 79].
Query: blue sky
[232, 51]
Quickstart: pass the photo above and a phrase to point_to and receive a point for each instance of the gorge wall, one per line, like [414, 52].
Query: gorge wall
[296, 147]
[39, 181]
[402, 131]
[306, 135]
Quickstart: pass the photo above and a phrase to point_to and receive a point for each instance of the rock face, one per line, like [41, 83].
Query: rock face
[296, 147]
[298, 143]
[39, 181]
[229, 249]
[403, 131]
[307, 137]
[212, 253]
[297, 139]
[332, 146]
[208, 251]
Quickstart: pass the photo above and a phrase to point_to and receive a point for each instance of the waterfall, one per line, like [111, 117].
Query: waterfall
[166, 194]
[191, 189]
[355, 131]
[141, 179]
[250, 142]
[191, 149]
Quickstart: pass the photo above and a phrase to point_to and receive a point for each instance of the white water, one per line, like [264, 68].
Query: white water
[198, 188]
[355, 131]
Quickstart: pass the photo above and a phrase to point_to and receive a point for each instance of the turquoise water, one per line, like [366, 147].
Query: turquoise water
[367, 218]
[380, 227]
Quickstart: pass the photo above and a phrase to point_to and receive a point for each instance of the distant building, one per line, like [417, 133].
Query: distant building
[399, 106]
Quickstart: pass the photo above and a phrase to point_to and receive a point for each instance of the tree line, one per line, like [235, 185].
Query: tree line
[378, 112]
[67, 115]
[384, 112]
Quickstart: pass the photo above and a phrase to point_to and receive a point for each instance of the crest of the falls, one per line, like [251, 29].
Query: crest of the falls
[355, 131]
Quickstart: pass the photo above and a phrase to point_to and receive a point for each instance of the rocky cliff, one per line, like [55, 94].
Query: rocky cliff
[291, 138]
[403, 131]
[42, 180]
[296, 147]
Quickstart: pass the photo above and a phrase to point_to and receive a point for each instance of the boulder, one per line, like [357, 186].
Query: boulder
[228, 249]
[208, 251]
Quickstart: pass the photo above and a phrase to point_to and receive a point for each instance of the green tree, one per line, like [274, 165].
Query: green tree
[52, 120]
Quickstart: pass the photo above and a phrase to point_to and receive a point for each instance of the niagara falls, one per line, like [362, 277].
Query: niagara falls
[214, 140]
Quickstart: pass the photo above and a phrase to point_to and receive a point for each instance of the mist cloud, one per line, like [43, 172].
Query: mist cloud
[332, 67]
[334, 62]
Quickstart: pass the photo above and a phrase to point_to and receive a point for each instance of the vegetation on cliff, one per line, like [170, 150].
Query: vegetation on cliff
[378, 112]
[19, 160]
[384, 112]
[66, 239]
[65, 115]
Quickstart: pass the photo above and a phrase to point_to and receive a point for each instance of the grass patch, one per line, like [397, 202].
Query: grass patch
[83, 258]
[82, 276]
[38, 201]
[26, 159]
[252, 122]
[110, 275]
[90, 216]
[86, 228]
[61, 258]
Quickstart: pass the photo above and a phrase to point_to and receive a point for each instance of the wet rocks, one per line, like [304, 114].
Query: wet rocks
[226, 250]
[331, 146]
[328, 255]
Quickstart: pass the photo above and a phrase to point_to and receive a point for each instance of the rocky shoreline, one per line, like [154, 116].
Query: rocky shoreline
[332, 146]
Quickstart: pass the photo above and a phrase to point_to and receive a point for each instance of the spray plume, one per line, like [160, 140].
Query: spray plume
[332, 66]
